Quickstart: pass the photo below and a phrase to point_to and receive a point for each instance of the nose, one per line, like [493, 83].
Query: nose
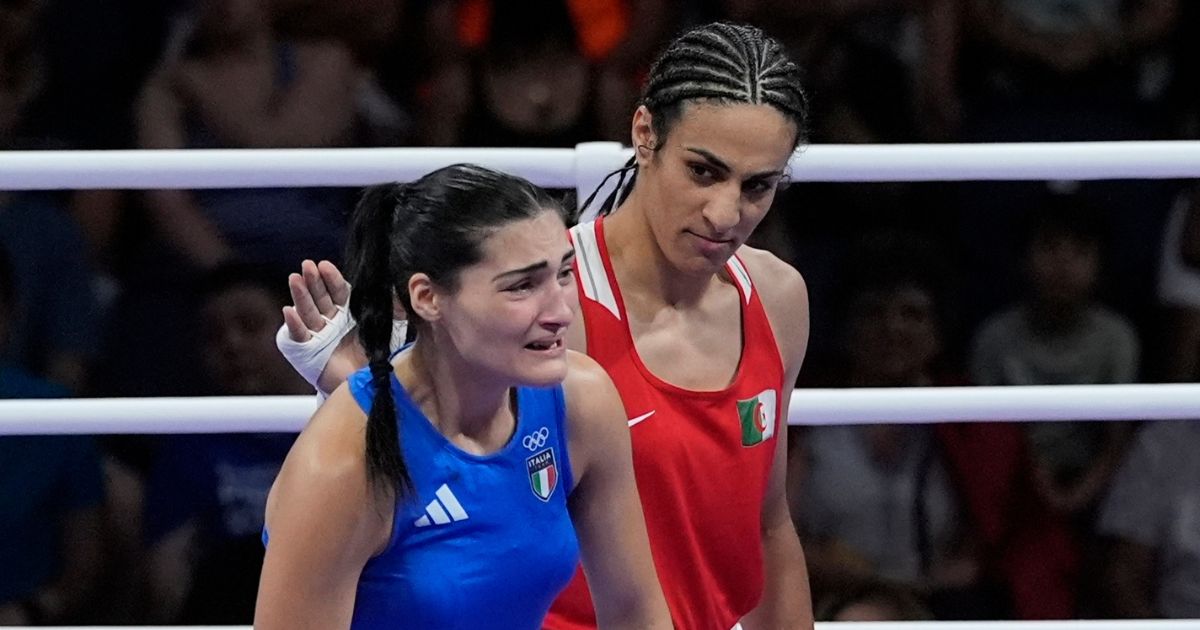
[558, 313]
[724, 210]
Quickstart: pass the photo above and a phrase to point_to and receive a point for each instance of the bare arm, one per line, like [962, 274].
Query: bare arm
[82, 559]
[996, 25]
[315, 110]
[605, 507]
[174, 212]
[446, 105]
[1190, 240]
[787, 600]
[169, 573]
[324, 521]
[938, 103]
[1150, 22]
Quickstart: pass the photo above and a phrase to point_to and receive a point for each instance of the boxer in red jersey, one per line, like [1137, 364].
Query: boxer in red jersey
[702, 335]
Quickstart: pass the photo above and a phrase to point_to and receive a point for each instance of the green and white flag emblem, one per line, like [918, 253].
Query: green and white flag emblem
[543, 474]
[758, 417]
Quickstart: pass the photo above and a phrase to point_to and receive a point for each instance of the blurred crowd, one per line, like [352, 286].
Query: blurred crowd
[178, 292]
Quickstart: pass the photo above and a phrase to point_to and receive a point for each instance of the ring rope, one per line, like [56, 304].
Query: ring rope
[584, 166]
[265, 414]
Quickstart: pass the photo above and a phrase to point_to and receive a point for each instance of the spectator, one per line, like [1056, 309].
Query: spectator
[1151, 518]
[882, 71]
[876, 501]
[1062, 69]
[206, 494]
[538, 73]
[227, 80]
[1179, 289]
[53, 327]
[50, 505]
[1061, 335]
[876, 601]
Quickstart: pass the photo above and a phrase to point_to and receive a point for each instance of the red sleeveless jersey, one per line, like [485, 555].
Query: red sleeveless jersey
[702, 458]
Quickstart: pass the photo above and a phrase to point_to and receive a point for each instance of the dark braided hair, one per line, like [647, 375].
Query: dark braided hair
[724, 63]
[436, 226]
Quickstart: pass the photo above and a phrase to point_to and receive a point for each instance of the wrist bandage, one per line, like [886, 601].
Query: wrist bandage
[310, 357]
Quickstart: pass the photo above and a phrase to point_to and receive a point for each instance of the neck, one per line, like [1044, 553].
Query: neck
[451, 393]
[640, 263]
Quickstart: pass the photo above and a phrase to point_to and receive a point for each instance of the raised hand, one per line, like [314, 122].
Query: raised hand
[317, 292]
[315, 337]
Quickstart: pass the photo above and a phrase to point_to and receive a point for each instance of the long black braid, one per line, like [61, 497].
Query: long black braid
[436, 226]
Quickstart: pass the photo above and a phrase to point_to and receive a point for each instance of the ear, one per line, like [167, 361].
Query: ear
[642, 133]
[424, 296]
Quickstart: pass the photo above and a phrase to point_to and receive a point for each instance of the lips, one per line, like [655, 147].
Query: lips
[711, 246]
[545, 345]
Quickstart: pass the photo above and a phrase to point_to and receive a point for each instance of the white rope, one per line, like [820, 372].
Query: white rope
[580, 168]
[254, 414]
[968, 404]
[265, 168]
[235, 414]
[1178, 624]
[1125, 624]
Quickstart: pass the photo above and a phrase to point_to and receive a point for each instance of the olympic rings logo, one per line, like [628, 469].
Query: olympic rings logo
[537, 439]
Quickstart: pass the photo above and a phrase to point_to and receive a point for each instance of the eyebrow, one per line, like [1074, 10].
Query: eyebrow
[719, 163]
[538, 266]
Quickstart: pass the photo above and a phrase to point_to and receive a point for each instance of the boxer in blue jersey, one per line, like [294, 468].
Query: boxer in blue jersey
[456, 485]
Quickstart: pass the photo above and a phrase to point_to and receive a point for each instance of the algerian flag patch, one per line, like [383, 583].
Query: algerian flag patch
[758, 417]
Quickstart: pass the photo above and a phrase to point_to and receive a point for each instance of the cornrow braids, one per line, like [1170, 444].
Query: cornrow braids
[728, 63]
[725, 63]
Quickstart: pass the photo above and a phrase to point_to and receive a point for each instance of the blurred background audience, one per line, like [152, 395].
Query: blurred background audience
[178, 292]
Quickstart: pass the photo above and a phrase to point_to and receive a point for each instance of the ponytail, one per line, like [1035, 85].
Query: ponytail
[619, 193]
[435, 226]
[370, 265]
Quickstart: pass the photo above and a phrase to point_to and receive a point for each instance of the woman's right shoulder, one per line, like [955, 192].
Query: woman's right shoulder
[591, 397]
[330, 453]
[323, 488]
[587, 383]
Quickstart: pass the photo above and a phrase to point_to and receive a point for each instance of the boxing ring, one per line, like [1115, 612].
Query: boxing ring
[843, 625]
[582, 169]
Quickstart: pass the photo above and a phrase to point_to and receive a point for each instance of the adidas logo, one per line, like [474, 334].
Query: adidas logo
[443, 510]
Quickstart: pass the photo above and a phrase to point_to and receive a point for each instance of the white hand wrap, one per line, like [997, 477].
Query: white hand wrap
[310, 357]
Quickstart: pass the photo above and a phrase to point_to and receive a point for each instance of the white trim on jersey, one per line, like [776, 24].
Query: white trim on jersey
[741, 276]
[592, 275]
[594, 278]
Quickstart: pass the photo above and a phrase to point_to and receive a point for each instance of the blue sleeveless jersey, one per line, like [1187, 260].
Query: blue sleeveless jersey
[483, 541]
